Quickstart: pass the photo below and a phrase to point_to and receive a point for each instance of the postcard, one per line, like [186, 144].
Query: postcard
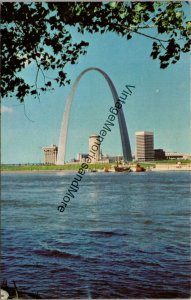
[95, 150]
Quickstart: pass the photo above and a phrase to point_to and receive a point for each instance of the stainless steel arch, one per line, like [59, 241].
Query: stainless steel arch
[64, 127]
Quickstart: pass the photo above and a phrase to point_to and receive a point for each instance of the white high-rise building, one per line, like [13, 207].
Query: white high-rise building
[144, 146]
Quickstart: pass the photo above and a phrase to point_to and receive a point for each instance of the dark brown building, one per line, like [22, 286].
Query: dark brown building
[159, 154]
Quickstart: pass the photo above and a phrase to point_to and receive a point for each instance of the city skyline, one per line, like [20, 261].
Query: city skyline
[160, 103]
[141, 153]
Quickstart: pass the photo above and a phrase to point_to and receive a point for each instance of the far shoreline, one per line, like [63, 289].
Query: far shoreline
[188, 169]
[154, 166]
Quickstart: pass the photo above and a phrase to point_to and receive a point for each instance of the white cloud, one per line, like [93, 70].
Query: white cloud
[6, 109]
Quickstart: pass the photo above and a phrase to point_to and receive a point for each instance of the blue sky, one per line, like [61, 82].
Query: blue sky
[160, 103]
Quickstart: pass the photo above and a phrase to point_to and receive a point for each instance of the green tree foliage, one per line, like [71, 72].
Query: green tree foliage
[39, 32]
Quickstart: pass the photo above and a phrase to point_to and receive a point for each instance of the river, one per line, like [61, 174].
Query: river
[122, 236]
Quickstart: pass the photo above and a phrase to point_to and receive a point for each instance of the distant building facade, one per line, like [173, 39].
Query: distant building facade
[82, 157]
[115, 158]
[177, 155]
[159, 154]
[50, 154]
[145, 146]
[103, 158]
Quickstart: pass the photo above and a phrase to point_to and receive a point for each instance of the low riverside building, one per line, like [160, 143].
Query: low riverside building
[103, 158]
[113, 158]
[82, 157]
[50, 154]
[177, 155]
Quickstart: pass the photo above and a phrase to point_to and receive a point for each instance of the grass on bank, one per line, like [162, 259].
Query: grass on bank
[76, 166]
[68, 167]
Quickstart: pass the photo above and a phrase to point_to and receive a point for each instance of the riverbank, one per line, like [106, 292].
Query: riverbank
[172, 167]
[94, 167]
[50, 168]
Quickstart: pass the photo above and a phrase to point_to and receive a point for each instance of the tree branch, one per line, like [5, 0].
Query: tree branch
[43, 74]
[26, 113]
[149, 36]
[37, 80]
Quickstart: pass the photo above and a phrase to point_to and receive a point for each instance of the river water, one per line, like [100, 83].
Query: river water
[122, 236]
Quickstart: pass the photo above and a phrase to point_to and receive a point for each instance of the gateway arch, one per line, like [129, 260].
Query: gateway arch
[121, 119]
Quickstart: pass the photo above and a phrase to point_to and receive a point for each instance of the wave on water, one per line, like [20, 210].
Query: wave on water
[108, 233]
[57, 254]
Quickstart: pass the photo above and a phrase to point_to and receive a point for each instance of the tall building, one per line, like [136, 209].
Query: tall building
[50, 154]
[94, 147]
[145, 146]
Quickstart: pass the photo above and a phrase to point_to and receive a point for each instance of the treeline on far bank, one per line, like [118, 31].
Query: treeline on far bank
[76, 166]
